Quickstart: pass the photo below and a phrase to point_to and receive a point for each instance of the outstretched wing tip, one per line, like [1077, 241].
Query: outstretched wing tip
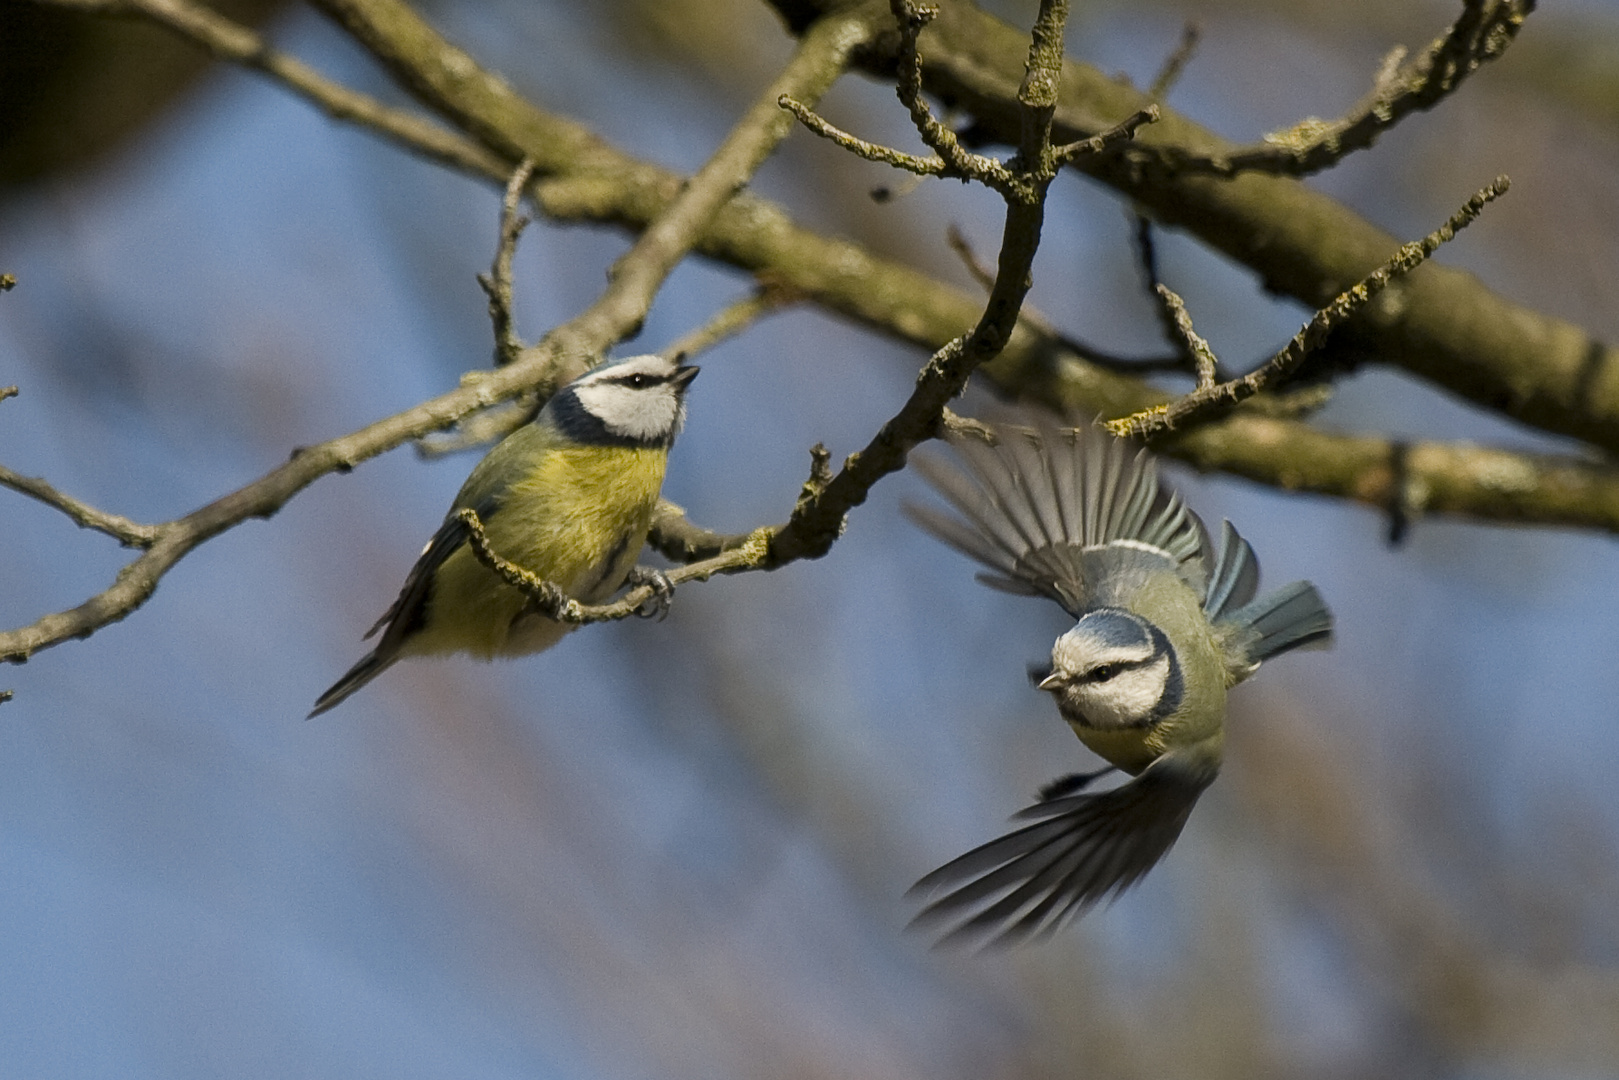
[1083, 850]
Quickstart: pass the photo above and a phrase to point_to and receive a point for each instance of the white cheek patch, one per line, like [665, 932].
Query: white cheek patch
[1126, 700]
[645, 415]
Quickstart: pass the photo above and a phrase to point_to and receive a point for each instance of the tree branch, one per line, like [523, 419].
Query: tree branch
[598, 184]
[1448, 328]
[818, 519]
[1211, 398]
[1480, 34]
[231, 41]
[1476, 343]
[678, 540]
[821, 57]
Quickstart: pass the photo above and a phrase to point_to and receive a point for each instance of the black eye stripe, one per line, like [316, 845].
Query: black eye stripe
[639, 380]
[1115, 668]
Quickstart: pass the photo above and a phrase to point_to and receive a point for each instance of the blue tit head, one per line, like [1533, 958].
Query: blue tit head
[1113, 670]
[636, 401]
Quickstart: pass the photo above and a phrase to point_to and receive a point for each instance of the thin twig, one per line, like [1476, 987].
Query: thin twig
[913, 18]
[921, 166]
[1170, 73]
[1215, 398]
[980, 272]
[545, 597]
[1123, 131]
[126, 532]
[950, 158]
[1481, 33]
[497, 284]
[1186, 358]
[8, 392]
[1025, 177]
[732, 320]
[1203, 362]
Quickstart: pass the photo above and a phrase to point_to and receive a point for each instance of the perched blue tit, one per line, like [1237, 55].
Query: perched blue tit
[568, 497]
[1166, 625]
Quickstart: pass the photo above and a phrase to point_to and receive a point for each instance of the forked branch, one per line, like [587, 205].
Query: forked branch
[1481, 33]
[1211, 399]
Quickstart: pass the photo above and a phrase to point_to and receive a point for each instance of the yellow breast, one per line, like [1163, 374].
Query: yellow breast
[579, 520]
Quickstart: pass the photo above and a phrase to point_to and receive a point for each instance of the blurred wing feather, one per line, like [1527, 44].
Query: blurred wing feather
[1082, 849]
[1038, 498]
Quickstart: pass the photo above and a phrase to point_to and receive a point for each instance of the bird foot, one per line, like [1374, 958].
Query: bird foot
[663, 591]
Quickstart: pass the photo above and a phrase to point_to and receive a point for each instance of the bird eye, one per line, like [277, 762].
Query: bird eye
[1102, 673]
[638, 382]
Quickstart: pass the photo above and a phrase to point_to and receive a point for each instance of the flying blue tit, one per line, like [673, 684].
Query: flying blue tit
[568, 497]
[1166, 625]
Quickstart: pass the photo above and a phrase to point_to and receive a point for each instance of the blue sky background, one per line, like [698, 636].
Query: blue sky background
[679, 849]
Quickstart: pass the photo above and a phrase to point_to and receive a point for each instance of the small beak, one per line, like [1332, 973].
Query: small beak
[685, 373]
[1050, 683]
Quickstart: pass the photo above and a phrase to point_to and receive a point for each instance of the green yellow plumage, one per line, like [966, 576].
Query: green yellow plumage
[568, 497]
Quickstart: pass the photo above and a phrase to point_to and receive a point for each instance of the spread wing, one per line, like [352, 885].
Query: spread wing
[1082, 848]
[1040, 504]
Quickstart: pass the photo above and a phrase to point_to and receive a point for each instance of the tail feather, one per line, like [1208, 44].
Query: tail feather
[369, 667]
[1283, 619]
[1236, 575]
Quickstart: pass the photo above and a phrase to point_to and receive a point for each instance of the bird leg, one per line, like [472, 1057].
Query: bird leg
[1071, 784]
